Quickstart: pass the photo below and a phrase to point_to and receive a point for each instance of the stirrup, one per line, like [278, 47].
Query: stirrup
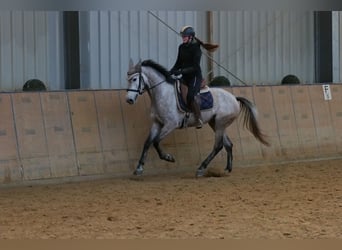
[199, 124]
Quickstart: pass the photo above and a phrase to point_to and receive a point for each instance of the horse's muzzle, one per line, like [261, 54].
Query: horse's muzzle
[130, 100]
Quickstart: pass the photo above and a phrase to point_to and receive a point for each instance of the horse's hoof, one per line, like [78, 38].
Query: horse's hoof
[200, 173]
[138, 172]
[168, 158]
[228, 170]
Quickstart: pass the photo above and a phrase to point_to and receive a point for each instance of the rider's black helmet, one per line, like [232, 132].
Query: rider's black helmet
[187, 31]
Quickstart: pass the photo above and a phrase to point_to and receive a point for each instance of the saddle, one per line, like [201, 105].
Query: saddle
[181, 91]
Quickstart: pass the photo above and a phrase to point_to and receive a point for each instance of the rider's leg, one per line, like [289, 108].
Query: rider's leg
[195, 106]
[194, 100]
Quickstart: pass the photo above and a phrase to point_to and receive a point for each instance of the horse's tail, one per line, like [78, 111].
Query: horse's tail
[250, 122]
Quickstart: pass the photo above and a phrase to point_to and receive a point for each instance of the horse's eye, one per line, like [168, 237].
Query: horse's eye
[134, 79]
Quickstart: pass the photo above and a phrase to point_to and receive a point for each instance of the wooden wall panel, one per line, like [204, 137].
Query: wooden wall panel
[323, 122]
[305, 125]
[86, 132]
[112, 131]
[267, 119]
[336, 115]
[10, 169]
[59, 134]
[33, 148]
[283, 106]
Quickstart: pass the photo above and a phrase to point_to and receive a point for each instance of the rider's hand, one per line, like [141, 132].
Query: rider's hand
[174, 76]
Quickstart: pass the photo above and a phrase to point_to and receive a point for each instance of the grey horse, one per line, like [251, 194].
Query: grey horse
[156, 80]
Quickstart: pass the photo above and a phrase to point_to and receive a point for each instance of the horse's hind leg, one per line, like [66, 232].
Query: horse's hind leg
[228, 145]
[218, 145]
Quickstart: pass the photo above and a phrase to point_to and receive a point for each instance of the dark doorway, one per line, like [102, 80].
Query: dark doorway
[323, 47]
[71, 49]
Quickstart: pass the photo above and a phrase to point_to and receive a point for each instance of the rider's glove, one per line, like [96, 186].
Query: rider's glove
[176, 77]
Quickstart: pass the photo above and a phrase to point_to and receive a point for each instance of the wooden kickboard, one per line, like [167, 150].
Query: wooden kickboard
[189, 145]
[336, 114]
[323, 122]
[29, 124]
[116, 161]
[86, 132]
[59, 135]
[35, 168]
[9, 159]
[304, 121]
[33, 148]
[263, 99]
[112, 131]
[283, 105]
[10, 171]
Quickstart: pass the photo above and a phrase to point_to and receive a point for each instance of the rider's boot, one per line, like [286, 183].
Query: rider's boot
[195, 106]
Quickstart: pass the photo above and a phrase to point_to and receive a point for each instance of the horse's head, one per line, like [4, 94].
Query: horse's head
[136, 82]
[146, 75]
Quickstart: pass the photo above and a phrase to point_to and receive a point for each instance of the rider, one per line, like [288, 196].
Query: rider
[188, 65]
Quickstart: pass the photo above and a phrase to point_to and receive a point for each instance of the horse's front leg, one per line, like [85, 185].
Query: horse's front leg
[162, 155]
[154, 133]
[165, 130]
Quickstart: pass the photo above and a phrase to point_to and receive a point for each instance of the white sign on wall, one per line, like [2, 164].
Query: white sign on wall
[326, 92]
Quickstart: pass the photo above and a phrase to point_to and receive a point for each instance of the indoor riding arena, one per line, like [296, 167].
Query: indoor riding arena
[67, 159]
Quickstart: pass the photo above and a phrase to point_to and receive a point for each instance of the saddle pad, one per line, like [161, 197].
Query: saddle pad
[207, 100]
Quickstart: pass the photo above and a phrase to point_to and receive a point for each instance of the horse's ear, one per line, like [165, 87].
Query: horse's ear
[138, 66]
[131, 64]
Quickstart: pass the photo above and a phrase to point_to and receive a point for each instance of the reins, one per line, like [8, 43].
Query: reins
[156, 85]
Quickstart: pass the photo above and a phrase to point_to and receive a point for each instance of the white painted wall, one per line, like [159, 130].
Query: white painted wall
[337, 47]
[30, 47]
[259, 47]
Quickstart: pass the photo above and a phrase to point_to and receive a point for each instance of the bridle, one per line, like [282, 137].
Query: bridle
[142, 85]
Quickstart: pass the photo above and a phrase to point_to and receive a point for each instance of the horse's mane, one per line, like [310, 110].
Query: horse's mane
[161, 69]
